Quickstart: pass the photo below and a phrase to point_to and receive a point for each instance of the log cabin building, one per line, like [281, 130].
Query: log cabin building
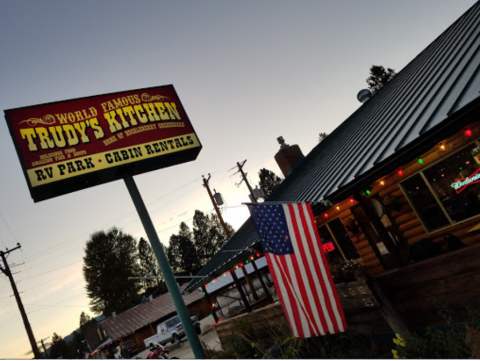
[396, 187]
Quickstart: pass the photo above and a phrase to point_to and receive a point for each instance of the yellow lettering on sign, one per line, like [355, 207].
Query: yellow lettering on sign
[61, 135]
[70, 168]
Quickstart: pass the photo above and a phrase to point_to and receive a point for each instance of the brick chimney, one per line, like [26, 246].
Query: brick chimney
[288, 156]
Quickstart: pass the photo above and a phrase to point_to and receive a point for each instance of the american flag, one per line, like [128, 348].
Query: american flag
[299, 268]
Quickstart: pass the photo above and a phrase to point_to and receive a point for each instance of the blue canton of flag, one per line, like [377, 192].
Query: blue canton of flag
[273, 230]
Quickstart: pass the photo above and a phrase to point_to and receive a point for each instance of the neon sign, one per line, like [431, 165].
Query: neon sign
[462, 183]
[328, 247]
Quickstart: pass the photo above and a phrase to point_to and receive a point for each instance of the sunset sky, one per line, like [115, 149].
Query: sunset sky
[246, 72]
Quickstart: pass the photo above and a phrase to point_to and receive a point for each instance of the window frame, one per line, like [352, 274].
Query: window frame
[326, 224]
[432, 191]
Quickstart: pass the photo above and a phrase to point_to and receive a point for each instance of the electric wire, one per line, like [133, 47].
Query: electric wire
[9, 229]
[39, 274]
[76, 238]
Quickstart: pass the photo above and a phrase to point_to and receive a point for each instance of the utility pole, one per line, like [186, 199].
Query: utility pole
[8, 273]
[227, 234]
[224, 226]
[244, 178]
[43, 345]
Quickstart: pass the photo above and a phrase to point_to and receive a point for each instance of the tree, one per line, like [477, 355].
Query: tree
[148, 264]
[379, 77]
[59, 348]
[76, 347]
[84, 319]
[110, 259]
[181, 252]
[322, 136]
[268, 181]
[208, 235]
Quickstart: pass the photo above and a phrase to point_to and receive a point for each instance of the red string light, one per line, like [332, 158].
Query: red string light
[468, 132]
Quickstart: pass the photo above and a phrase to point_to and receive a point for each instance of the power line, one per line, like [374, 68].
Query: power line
[4, 220]
[55, 279]
[39, 274]
[76, 238]
[79, 237]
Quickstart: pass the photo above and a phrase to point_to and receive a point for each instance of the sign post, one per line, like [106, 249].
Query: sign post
[165, 268]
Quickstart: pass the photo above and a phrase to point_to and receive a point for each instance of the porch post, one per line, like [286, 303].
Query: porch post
[257, 272]
[214, 313]
[250, 284]
[239, 288]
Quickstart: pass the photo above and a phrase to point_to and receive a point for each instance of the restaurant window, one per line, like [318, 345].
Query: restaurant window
[447, 192]
[336, 242]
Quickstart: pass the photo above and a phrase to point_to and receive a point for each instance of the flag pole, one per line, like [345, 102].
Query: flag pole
[167, 272]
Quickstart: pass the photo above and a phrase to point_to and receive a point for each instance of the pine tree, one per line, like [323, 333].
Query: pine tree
[322, 137]
[208, 235]
[84, 319]
[110, 259]
[268, 181]
[148, 264]
[379, 77]
[59, 348]
[181, 252]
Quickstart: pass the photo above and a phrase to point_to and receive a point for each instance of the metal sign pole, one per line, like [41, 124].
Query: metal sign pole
[165, 268]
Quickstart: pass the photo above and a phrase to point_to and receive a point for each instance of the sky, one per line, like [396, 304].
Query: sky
[246, 72]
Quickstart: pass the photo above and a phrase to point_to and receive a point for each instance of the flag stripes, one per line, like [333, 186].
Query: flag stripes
[299, 268]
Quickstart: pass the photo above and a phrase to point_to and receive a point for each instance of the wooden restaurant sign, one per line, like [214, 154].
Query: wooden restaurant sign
[75, 144]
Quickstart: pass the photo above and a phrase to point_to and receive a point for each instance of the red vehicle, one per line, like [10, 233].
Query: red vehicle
[159, 352]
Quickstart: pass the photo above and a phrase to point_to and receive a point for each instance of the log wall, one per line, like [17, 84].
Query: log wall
[424, 291]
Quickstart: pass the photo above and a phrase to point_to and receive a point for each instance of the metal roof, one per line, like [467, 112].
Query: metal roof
[144, 314]
[408, 115]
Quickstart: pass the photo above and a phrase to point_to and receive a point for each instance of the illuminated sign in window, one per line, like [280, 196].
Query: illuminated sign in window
[462, 183]
[328, 247]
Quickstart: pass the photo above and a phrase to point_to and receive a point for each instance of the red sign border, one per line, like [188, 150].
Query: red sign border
[99, 177]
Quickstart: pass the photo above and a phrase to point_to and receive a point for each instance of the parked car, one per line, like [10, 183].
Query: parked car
[171, 331]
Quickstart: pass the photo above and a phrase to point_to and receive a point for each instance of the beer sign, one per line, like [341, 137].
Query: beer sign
[75, 144]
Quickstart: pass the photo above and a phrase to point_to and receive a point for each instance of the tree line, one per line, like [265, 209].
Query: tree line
[112, 257]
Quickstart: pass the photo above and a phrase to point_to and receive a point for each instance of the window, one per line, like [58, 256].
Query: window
[173, 321]
[336, 242]
[447, 192]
